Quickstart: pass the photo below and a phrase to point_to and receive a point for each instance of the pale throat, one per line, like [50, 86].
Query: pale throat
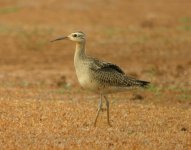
[80, 50]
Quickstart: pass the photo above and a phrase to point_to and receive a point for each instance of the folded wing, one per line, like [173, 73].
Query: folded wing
[109, 74]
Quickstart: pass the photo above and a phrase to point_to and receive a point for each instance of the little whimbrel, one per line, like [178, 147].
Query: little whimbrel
[99, 76]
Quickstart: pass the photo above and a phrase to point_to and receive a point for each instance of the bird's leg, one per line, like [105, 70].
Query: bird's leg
[99, 108]
[107, 104]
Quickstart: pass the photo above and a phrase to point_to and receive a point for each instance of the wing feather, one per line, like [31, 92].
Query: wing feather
[105, 66]
[109, 74]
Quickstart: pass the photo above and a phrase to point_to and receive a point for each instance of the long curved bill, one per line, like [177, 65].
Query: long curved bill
[61, 38]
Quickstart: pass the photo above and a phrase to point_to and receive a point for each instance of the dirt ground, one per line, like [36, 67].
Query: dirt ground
[42, 106]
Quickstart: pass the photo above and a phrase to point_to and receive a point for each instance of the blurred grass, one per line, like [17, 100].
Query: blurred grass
[185, 20]
[184, 96]
[111, 31]
[185, 24]
[157, 90]
[35, 38]
[28, 38]
[185, 27]
[8, 10]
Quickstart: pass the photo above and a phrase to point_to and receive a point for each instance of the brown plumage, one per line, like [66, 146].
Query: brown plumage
[111, 75]
[99, 76]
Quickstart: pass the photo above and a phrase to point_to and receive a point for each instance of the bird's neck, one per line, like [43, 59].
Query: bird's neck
[80, 51]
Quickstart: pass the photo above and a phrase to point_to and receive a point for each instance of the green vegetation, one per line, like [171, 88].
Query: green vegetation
[8, 10]
[185, 20]
[155, 89]
[185, 24]
[184, 96]
[110, 31]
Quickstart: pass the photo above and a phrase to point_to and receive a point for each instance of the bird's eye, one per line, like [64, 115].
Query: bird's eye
[75, 35]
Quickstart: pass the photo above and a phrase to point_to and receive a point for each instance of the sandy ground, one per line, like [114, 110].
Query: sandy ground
[42, 104]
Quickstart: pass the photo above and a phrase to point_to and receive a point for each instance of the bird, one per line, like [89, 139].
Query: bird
[99, 76]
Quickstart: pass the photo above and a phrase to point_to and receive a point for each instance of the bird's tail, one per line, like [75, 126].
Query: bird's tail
[143, 84]
[129, 81]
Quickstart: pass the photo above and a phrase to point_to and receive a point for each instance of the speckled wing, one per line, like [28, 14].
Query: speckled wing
[109, 74]
[101, 65]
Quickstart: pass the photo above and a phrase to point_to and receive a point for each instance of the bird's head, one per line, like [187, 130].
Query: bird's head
[76, 37]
